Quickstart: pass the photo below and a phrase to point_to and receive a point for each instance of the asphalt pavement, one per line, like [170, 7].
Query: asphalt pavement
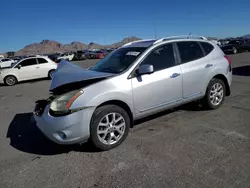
[183, 147]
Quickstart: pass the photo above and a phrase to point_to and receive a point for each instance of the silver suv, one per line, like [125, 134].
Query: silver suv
[141, 78]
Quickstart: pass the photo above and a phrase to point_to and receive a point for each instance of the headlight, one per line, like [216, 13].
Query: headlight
[63, 102]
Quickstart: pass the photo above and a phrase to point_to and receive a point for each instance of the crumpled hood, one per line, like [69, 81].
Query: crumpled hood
[67, 73]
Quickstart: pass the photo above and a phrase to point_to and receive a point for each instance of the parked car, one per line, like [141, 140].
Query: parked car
[91, 54]
[54, 57]
[66, 56]
[237, 45]
[137, 80]
[100, 54]
[28, 69]
[6, 62]
[79, 55]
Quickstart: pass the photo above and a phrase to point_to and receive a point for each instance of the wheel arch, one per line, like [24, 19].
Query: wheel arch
[121, 104]
[224, 79]
[50, 71]
[10, 75]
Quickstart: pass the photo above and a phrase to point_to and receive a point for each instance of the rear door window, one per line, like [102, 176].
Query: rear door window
[42, 60]
[189, 51]
[207, 47]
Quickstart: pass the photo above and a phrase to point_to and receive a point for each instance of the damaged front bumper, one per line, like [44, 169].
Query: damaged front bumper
[72, 128]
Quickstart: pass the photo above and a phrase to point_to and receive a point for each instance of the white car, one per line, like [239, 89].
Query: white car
[66, 56]
[28, 69]
[6, 62]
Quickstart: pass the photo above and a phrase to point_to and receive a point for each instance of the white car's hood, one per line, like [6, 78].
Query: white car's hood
[67, 73]
[6, 70]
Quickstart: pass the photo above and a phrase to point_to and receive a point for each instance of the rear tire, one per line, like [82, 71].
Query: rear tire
[215, 94]
[106, 132]
[10, 80]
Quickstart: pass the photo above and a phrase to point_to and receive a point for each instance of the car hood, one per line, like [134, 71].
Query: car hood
[68, 73]
[5, 69]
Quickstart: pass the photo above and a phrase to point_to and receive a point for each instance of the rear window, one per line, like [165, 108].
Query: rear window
[207, 47]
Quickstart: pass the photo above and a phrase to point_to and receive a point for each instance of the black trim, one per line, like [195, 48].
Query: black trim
[177, 53]
[203, 51]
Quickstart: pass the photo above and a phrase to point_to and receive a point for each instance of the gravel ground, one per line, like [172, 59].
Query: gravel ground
[185, 147]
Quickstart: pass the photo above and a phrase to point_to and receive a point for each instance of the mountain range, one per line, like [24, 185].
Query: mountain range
[51, 46]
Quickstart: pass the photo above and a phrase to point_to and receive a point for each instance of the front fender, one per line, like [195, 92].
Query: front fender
[90, 100]
[110, 96]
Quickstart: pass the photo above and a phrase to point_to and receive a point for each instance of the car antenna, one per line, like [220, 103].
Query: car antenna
[189, 35]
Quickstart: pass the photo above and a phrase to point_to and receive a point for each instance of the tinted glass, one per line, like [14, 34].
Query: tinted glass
[234, 42]
[28, 62]
[207, 47]
[161, 58]
[248, 41]
[42, 60]
[189, 51]
[119, 60]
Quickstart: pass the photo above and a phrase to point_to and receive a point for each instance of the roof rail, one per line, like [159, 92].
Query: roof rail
[180, 37]
[144, 40]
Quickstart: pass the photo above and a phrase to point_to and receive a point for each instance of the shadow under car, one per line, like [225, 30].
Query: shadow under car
[242, 71]
[25, 136]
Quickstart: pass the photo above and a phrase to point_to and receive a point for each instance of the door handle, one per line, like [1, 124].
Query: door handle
[37, 67]
[208, 65]
[175, 75]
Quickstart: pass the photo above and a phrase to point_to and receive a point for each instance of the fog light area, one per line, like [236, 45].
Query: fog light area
[62, 135]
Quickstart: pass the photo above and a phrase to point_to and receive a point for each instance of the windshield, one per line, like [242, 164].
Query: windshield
[119, 60]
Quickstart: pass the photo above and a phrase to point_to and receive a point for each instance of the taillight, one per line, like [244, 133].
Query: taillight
[228, 60]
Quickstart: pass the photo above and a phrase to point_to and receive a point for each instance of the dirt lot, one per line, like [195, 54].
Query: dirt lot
[185, 147]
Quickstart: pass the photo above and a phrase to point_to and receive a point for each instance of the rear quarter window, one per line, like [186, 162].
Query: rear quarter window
[42, 60]
[208, 48]
[189, 51]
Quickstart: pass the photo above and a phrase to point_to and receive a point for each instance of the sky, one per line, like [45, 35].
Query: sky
[27, 21]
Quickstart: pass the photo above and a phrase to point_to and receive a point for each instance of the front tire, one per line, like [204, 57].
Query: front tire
[10, 80]
[109, 127]
[215, 94]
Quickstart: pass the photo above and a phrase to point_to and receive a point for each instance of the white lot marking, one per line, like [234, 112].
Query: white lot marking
[226, 132]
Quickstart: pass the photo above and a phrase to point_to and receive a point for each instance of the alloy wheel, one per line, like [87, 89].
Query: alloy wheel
[216, 94]
[111, 128]
[10, 80]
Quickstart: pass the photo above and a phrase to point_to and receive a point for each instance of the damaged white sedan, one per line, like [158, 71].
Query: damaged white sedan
[141, 78]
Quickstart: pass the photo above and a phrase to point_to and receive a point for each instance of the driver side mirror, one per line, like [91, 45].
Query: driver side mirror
[19, 66]
[145, 69]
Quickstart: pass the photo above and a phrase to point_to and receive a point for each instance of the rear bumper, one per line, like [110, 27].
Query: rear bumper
[229, 77]
[1, 80]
